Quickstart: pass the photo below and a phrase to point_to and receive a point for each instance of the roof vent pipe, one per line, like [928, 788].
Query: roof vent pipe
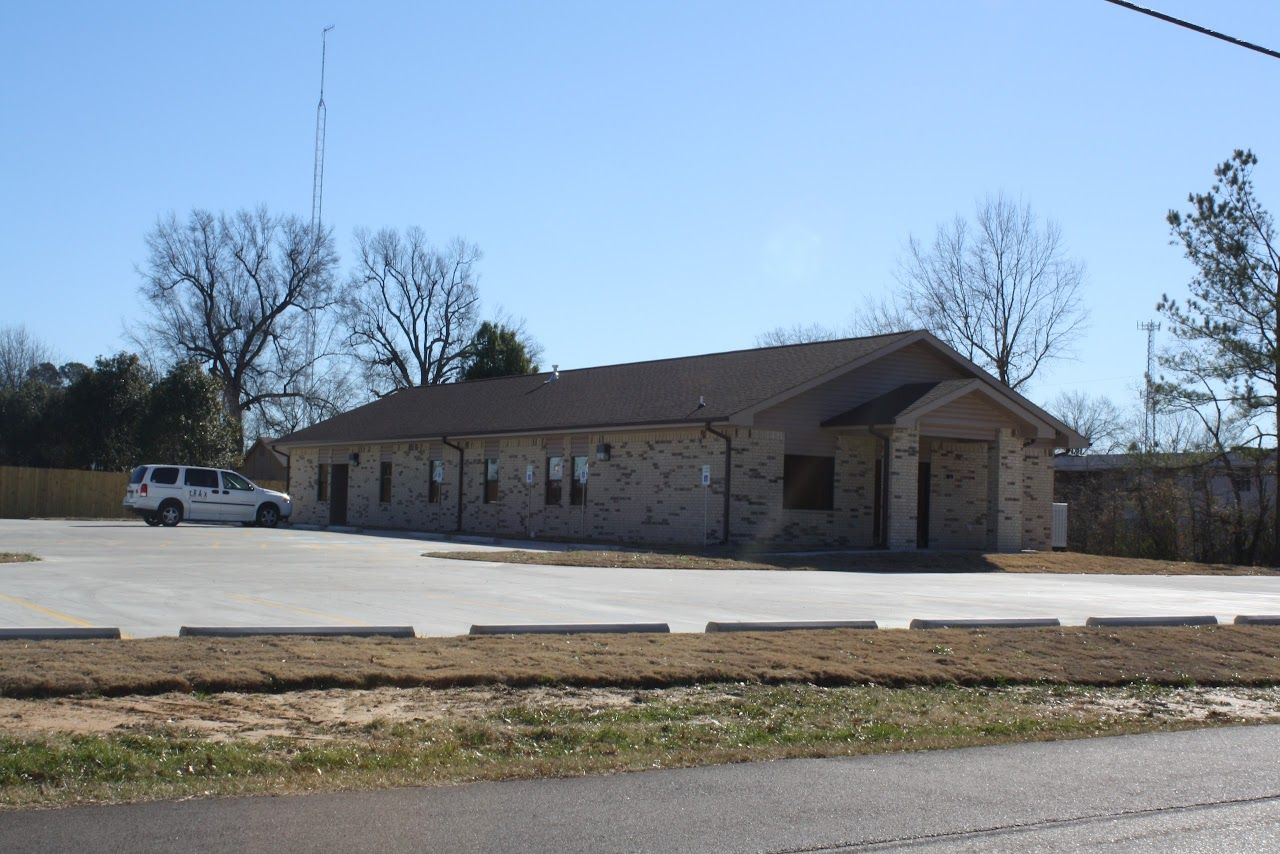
[555, 375]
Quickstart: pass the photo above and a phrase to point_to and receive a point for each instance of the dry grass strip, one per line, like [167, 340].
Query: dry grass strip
[17, 557]
[924, 561]
[1209, 656]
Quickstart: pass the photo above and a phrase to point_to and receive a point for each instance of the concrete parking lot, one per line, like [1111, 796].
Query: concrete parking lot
[149, 581]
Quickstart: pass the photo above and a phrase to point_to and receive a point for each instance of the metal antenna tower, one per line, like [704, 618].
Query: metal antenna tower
[317, 197]
[317, 180]
[1149, 393]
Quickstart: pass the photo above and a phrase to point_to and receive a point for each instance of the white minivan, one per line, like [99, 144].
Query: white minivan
[165, 495]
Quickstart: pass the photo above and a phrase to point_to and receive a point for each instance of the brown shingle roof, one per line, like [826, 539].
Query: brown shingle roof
[664, 391]
[902, 400]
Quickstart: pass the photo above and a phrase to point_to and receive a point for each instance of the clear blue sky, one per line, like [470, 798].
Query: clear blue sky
[646, 179]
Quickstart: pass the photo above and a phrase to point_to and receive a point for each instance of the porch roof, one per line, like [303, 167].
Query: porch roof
[906, 404]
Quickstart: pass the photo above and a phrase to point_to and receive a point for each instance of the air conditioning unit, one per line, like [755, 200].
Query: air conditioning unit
[1058, 531]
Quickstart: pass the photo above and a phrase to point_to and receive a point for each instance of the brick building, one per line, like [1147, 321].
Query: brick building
[892, 440]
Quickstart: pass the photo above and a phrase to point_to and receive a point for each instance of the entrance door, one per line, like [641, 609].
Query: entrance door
[338, 494]
[922, 507]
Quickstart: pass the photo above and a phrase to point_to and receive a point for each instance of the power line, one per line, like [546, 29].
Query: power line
[1196, 28]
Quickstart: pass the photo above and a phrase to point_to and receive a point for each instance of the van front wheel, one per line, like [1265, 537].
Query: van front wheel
[268, 516]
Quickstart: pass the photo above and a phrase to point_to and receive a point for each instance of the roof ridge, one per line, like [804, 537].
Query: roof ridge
[698, 356]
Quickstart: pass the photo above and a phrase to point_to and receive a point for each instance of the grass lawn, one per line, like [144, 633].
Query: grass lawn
[60, 752]
[94, 721]
[17, 557]
[923, 561]
[1075, 655]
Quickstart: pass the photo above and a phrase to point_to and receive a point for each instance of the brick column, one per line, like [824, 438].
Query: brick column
[1037, 497]
[1004, 492]
[902, 482]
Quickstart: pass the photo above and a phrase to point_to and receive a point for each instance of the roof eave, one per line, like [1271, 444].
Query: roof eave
[494, 434]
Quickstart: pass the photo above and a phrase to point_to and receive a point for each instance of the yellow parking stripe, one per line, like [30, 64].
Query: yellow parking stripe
[306, 612]
[48, 612]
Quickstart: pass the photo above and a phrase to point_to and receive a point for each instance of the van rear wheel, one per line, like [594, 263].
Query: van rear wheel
[268, 516]
[170, 513]
[151, 519]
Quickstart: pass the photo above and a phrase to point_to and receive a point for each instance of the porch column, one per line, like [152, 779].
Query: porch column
[902, 481]
[1004, 492]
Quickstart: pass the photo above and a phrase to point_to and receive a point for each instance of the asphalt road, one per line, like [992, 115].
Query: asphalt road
[149, 581]
[1209, 790]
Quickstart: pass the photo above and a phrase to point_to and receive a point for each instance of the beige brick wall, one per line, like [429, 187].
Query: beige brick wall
[757, 514]
[649, 491]
[958, 495]
[410, 471]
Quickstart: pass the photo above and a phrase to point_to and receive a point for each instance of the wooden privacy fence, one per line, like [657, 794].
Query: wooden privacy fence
[27, 493]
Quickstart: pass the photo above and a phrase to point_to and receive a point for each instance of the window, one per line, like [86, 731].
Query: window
[808, 483]
[231, 480]
[437, 478]
[384, 482]
[203, 478]
[138, 474]
[322, 483]
[490, 481]
[578, 489]
[555, 478]
[167, 476]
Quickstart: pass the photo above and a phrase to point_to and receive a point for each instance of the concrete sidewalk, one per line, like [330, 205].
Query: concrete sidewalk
[1214, 789]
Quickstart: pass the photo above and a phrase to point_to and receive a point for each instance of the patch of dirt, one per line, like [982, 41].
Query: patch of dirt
[313, 715]
[1195, 704]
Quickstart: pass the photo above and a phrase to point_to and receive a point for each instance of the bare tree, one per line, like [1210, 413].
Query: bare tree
[799, 334]
[1001, 290]
[20, 352]
[1096, 418]
[876, 318]
[233, 293]
[411, 309]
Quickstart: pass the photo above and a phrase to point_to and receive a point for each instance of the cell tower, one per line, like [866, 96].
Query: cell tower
[317, 198]
[317, 180]
[1149, 392]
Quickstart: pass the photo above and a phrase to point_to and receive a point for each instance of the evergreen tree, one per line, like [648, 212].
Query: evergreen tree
[498, 351]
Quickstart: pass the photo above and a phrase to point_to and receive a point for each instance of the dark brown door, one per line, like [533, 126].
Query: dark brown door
[922, 507]
[338, 495]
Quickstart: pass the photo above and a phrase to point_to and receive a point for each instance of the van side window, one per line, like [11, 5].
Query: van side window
[203, 478]
[166, 475]
[231, 480]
